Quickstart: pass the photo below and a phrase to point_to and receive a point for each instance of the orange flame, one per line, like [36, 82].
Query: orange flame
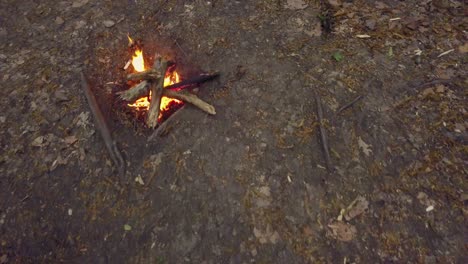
[143, 103]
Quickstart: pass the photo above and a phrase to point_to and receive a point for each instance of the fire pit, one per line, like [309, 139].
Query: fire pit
[158, 89]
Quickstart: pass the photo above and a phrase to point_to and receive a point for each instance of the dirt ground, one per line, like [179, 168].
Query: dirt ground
[249, 184]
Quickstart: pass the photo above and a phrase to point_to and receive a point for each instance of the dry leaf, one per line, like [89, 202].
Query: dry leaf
[342, 231]
[70, 140]
[364, 147]
[463, 48]
[357, 207]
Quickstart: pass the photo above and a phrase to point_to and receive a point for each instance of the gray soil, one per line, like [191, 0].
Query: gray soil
[249, 184]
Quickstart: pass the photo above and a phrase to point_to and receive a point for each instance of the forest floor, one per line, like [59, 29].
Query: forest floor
[249, 184]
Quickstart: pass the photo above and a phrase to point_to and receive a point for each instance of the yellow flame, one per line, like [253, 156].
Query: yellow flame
[130, 40]
[138, 62]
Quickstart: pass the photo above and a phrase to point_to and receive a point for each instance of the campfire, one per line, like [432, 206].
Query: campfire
[159, 89]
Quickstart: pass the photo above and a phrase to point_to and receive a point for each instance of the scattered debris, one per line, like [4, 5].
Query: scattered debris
[269, 235]
[127, 227]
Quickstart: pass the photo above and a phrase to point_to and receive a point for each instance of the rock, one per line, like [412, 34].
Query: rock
[370, 24]
[108, 23]
[334, 3]
[79, 3]
[59, 21]
[296, 4]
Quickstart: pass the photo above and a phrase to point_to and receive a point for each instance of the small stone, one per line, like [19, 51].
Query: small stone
[370, 24]
[334, 3]
[2, 119]
[296, 4]
[59, 21]
[108, 23]
[79, 3]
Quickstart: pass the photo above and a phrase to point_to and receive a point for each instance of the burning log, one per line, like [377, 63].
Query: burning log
[137, 91]
[142, 89]
[151, 74]
[157, 86]
[193, 81]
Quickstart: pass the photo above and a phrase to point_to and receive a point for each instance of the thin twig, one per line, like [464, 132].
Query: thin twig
[348, 105]
[323, 133]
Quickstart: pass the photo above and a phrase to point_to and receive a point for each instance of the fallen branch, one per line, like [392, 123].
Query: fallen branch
[102, 127]
[190, 98]
[323, 133]
[157, 87]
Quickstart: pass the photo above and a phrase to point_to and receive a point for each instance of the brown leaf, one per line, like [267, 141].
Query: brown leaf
[342, 231]
[463, 48]
[70, 140]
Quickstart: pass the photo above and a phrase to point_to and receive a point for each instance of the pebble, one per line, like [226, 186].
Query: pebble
[108, 23]
[59, 21]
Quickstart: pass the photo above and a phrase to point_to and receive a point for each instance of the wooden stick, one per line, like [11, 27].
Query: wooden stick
[190, 98]
[157, 87]
[150, 74]
[135, 92]
[323, 133]
[348, 105]
[102, 127]
[164, 126]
